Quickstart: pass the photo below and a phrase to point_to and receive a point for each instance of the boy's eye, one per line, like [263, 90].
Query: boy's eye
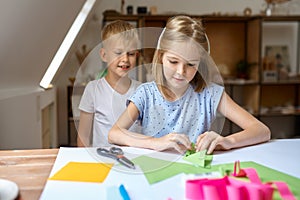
[132, 53]
[118, 53]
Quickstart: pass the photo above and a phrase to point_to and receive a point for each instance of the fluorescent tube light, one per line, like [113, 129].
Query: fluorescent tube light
[66, 44]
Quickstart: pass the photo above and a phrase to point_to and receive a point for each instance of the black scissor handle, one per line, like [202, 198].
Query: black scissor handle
[106, 153]
[116, 150]
[117, 154]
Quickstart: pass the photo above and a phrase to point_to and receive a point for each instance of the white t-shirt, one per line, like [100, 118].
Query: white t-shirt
[107, 105]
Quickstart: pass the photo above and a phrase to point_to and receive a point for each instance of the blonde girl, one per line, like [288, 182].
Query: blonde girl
[181, 105]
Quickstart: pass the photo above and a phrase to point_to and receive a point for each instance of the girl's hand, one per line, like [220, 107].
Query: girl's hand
[177, 141]
[212, 141]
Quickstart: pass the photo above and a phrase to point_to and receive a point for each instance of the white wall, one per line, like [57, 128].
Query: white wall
[199, 7]
[21, 122]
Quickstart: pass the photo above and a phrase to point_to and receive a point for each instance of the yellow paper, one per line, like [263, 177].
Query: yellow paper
[83, 172]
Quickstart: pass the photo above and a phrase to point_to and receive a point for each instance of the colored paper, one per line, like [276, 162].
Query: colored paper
[199, 158]
[156, 170]
[190, 151]
[267, 174]
[83, 172]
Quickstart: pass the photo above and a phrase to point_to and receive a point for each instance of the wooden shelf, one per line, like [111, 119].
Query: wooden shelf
[240, 82]
[282, 82]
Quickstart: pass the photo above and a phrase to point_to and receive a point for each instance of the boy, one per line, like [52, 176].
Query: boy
[104, 100]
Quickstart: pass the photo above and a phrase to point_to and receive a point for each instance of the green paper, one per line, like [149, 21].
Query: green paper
[199, 159]
[190, 151]
[157, 170]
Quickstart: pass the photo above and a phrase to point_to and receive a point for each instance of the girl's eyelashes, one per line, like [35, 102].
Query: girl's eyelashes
[187, 64]
[173, 61]
[191, 64]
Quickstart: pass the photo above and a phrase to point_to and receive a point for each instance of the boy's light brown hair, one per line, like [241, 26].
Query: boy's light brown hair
[119, 29]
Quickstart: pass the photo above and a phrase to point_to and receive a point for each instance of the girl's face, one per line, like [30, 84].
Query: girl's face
[179, 71]
[120, 58]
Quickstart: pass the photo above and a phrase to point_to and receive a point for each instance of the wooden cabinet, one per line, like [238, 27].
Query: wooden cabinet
[74, 95]
[279, 98]
[242, 38]
[72, 132]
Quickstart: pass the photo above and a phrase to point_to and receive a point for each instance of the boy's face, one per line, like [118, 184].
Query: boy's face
[119, 56]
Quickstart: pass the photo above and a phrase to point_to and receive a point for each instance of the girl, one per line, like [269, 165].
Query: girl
[181, 105]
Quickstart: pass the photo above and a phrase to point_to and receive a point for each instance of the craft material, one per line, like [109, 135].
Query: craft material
[117, 154]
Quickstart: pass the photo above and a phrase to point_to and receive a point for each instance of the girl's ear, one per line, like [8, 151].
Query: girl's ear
[103, 55]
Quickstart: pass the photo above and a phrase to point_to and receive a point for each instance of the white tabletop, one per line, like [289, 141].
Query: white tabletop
[281, 155]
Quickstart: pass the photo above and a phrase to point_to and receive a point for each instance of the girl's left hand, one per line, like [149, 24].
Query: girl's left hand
[212, 141]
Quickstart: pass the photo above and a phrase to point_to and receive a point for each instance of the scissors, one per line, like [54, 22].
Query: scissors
[117, 154]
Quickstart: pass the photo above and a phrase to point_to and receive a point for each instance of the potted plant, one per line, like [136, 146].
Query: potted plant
[243, 69]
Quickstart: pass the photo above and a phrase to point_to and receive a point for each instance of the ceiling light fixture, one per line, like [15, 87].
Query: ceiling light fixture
[66, 44]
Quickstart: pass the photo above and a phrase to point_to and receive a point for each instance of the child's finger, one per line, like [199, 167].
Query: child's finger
[184, 140]
[204, 141]
[212, 146]
[179, 148]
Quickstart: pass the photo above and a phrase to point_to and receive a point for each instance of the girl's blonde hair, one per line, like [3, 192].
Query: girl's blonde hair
[179, 29]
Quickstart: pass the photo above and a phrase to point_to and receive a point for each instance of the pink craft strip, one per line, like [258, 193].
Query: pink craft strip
[284, 190]
[252, 175]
